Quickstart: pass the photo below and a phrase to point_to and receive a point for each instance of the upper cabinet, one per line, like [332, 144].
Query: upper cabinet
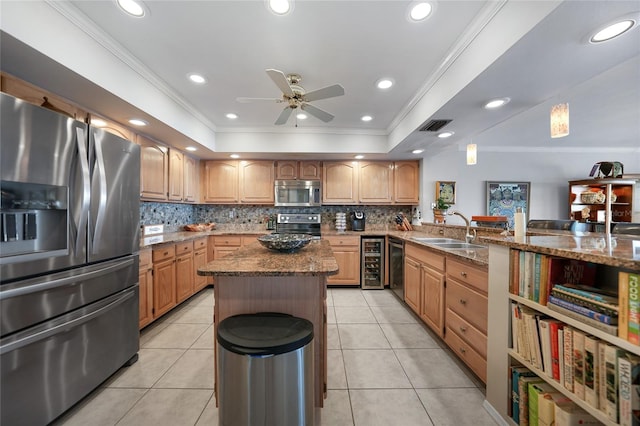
[231, 182]
[190, 188]
[370, 182]
[154, 170]
[176, 175]
[302, 170]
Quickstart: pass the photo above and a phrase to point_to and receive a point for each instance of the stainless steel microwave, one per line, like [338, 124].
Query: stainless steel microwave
[301, 193]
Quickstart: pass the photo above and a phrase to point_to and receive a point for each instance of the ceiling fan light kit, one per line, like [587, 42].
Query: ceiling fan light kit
[295, 96]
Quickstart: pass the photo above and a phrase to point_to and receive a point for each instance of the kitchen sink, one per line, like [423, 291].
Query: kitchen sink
[460, 245]
[430, 240]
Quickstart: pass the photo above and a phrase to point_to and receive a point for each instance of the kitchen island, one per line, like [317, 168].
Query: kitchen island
[254, 279]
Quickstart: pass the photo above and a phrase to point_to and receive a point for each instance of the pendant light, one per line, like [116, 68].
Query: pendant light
[560, 120]
[472, 154]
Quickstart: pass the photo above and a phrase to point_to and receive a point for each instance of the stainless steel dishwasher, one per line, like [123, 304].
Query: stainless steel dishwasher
[396, 266]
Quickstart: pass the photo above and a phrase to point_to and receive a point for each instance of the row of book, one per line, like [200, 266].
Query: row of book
[606, 377]
[536, 403]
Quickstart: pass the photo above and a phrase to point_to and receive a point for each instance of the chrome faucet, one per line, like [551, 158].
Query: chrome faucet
[468, 237]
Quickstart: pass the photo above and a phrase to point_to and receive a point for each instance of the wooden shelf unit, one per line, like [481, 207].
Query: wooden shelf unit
[625, 208]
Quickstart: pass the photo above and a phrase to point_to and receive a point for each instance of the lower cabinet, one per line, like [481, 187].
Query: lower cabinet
[199, 260]
[184, 271]
[424, 280]
[346, 250]
[164, 279]
[146, 287]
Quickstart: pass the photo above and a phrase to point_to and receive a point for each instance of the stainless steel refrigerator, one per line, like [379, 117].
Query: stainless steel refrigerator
[69, 242]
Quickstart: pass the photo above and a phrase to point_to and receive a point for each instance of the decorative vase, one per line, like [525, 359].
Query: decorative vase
[439, 215]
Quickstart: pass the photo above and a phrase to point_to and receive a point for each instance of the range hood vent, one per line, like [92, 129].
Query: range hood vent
[434, 125]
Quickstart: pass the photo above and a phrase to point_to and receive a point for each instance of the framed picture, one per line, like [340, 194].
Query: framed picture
[446, 190]
[503, 198]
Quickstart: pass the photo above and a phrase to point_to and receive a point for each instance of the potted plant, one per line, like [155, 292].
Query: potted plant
[440, 210]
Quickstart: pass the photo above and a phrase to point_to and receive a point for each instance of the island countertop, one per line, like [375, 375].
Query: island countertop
[255, 260]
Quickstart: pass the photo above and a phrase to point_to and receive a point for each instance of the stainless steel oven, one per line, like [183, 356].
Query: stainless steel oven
[299, 223]
[298, 193]
[396, 266]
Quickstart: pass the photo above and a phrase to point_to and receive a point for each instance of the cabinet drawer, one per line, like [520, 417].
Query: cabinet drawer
[426, 256]
[163, 253]
[227, 240]
[182, 248]
[145, 258]
[343, 241]
[468, 274]
[467, 332]
[470, 305]
[473, 359]
[200, 243]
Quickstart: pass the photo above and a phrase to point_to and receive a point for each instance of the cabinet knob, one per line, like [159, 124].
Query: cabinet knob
[462, 301]
[464, 274]
[463, 328]
[462, 350]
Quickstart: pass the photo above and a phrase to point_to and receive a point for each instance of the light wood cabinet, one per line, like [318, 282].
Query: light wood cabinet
[164, 279]
[257, 182]
[375, 182]
[340, 182]
[176, 175]
[406, 182]
[466, 314]
[424, 284]
[145, 280]
[346, 250]
[303, 170]
[184, 271]
[220, 182]
[225, 244]
[154, 170]
[191, 179]
[199, 260]
[233, 182]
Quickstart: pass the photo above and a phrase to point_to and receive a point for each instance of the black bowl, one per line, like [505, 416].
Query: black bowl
[285, 243]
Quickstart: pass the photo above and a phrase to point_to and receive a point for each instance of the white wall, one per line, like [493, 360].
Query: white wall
[548, 172]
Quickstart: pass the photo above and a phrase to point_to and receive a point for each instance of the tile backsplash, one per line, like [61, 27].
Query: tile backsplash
[175, 216]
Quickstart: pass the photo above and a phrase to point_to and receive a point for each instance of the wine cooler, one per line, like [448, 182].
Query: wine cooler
[372, 273]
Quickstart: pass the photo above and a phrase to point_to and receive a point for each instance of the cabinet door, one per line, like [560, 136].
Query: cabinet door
[309, 170]
[406, 182]
[432, 307]
[199, 260]
[164, 287]
[256, 182]
[184, 277]
[412, 277]
[376, 182]
[145, 279]
[154, 168]
[176, 175]
[190, 188]
[340, 182]
[220, 182]
[348, 267]
[287, 170]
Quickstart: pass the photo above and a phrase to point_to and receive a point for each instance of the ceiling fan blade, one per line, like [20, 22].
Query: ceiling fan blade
[284, 115]
[280, 80]
[324, 93]
[247, 100]
[317, 112]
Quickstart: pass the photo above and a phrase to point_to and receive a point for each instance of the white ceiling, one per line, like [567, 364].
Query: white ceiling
[446, 67]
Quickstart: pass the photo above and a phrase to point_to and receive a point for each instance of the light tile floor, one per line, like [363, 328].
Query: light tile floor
[384, 368]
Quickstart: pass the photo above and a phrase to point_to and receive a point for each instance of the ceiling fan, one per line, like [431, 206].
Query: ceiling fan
[295, 96]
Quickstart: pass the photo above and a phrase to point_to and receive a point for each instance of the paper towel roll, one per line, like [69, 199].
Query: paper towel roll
[519, 224]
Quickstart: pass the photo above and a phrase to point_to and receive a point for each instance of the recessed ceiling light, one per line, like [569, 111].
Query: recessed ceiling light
[417, 151]
[98, 122]
[197, 78]
[359, 157]
[280, 7]
[612, 31]
[301, 116]
[366, 118]
[234, 156]
[445, 135]
[231, 116]
[497, 103]
[138, 122]
[419, 11]
[132, 7]
[384, 83]
[191, 148]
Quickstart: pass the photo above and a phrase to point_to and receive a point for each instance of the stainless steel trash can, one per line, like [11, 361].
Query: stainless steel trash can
[265, 370]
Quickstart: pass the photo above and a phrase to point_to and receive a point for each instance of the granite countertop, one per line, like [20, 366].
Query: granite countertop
[178, 237]
[617, 251]
[255, 260]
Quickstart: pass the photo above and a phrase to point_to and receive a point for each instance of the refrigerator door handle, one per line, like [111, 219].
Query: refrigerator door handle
[86, 186]
[35, 288]
[65, 326]
[102, 203]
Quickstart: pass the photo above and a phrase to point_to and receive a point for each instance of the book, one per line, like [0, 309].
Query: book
[609, 329]
[515, 318]
[555, 326]
[578, 363]
[545, 344]
[569, 414]
[521, 276]
[523, 391]
[629, 400]
[536, 393]
[634, 308]
[623, 305]
[544, 282]
[516, 373]
[607, 302]
[580, 301]
[602, 376]
[562, 270]
[561, 355]
[536, 277]
[591, 371]
[568, 358]
[611, 355]
[606, 319]
[514, 287]
[547, 406]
